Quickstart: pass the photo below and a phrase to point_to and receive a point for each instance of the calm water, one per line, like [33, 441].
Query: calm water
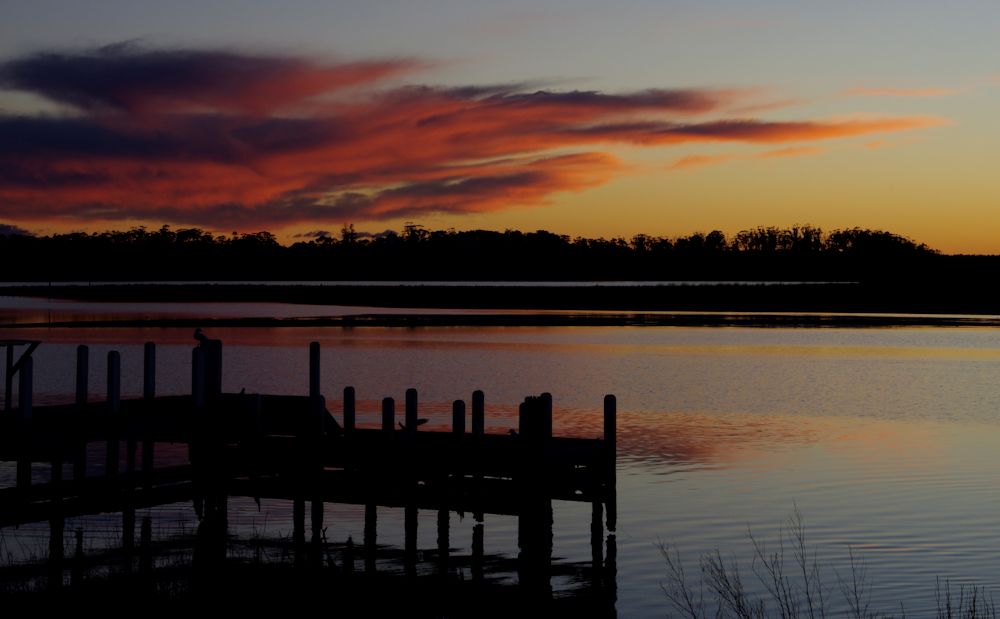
[884, 439]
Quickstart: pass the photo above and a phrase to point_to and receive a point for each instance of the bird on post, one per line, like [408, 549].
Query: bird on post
[200, 336]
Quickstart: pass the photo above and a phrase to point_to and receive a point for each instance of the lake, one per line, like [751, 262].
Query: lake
[883, 439]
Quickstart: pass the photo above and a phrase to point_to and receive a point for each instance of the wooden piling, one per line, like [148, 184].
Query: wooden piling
[388, 414]
[24, 422]
[371, 536]
[213, 367]
[411, 410]
[198, 377]
[146, 548]
[114, 409]
[597, 540]
[611, 455]
[545, 416]
[410, 540]
[478, 430]
[478, 413]
[128, 537]
[148, 393]
[299, 521]
[57, 526]
[349, 409]
[478, 547]
[314, 373]
[444, 546]
[8, 376]
[315, 462]
[458, 417]
[77, 569]
[82, 387]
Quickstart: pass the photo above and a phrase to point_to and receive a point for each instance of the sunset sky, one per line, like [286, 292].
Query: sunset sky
[583, 118]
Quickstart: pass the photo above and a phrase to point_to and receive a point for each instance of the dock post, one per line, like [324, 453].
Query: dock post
[388, 414]
[82, 384]
[458, 417]
[213, 367]
[444, 546]
[478, 429]
[57, 526]
[410, 542]
[148, 393]
[349, 409]
[25, 380]
[114, 408]
[8, 377]
[198, 377]
[76, 569]
[545, 416]
[478, 413]
[411, 410]
[597, 541]
[196, 446]
[146, 550]
[478, 546]
[315, 471]
[314, 373]
[371, 536]
[314, 439]
[611, 454]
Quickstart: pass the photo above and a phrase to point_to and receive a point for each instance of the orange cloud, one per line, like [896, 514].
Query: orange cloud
[697, 161]
[227, 140]
[794, 151]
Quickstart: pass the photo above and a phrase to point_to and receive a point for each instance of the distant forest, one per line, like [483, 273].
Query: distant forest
[803, 253]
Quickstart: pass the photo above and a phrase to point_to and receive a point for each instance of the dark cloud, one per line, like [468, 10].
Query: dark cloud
[11, 230]
[230, 140]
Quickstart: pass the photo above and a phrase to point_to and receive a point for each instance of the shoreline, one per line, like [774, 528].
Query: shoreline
[568, 319]
[585, 304]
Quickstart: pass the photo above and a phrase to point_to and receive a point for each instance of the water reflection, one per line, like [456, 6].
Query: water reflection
[884, 439]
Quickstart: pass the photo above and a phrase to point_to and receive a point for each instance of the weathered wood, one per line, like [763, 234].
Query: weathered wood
[114, 408]
[349, 409]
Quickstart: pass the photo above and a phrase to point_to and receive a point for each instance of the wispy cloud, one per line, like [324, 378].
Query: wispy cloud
[698, 161]
[901, 92]
[230, 140]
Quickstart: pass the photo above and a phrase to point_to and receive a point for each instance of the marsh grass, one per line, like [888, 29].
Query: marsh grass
[786, 580]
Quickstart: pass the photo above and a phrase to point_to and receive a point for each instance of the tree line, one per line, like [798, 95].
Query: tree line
[799, 253]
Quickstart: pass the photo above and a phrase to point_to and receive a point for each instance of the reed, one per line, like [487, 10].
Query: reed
[787, 580]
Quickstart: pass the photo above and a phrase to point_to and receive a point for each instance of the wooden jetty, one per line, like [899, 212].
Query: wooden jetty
[294, 448]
